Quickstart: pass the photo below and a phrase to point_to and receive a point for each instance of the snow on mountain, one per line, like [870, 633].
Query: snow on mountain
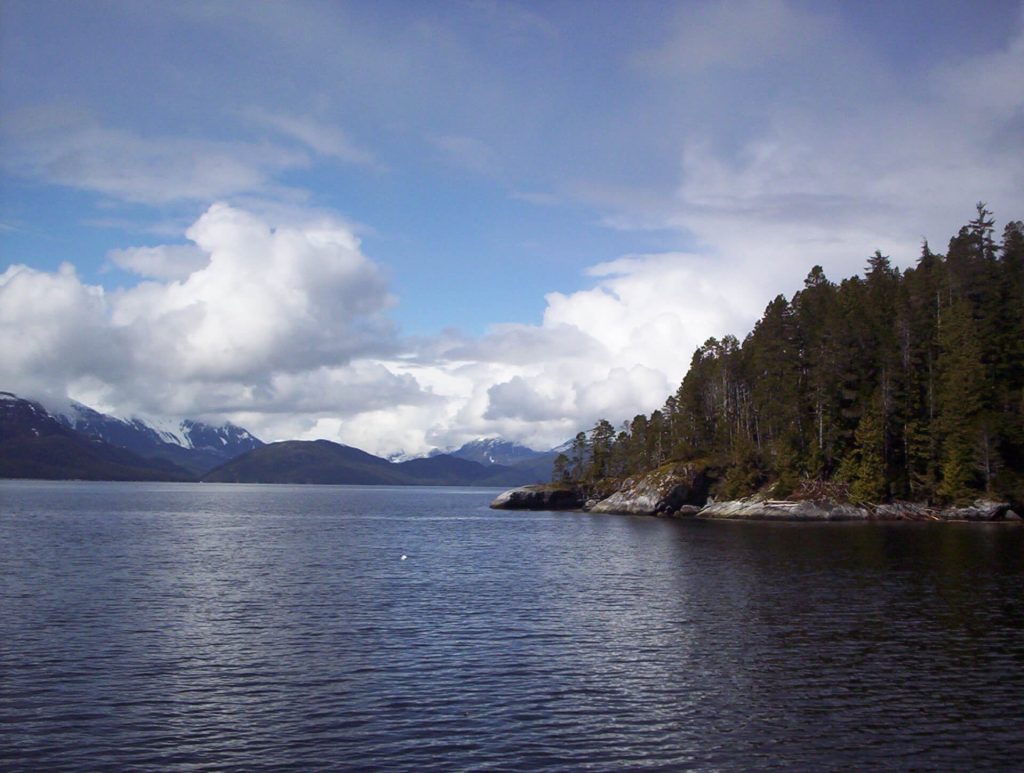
[193, 444]
[401, 456]
[224, 437]
[490, 451]
[564, 448]
[227, 438]
[485, 451]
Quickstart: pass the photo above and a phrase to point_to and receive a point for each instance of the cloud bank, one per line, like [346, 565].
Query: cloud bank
[285, 328]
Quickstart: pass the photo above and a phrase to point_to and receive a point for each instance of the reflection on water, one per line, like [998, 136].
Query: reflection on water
[166, 626]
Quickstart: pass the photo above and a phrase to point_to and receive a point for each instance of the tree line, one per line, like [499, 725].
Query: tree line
[891, 385]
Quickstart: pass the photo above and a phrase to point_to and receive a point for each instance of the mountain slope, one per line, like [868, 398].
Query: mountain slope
[34, 444]
[83, 443]
[196, 446]
[445, 470]
[321, 461]
[536, 469]
[488, 451]
[307, 461]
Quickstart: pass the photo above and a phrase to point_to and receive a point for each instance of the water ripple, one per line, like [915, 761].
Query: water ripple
[178, 627]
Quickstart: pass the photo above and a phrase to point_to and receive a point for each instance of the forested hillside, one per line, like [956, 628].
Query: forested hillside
[887, 386]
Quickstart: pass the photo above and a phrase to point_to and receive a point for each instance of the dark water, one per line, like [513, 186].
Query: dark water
[160, 627]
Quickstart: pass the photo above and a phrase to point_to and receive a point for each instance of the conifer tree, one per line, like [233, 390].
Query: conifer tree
[901, 385]
[959, 400]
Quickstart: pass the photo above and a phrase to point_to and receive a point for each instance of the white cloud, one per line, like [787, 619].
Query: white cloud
[611, 351]
[268, 317]
[517, 399]
[326, 140]
[167, 261]
[821, 161]
[285, 330]
[55, 330]
[280, 299]
[68, 148]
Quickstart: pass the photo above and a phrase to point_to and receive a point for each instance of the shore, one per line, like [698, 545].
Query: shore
[670, 496]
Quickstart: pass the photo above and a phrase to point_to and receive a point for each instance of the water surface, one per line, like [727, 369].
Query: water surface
[184, 626]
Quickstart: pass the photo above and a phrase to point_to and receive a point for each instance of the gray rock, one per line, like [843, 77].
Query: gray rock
[906, 511]
[686, 511]
[545, 497]
[979, 510]
[658, 492]
[759, 509]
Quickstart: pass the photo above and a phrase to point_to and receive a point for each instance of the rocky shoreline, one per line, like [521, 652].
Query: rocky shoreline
[680, 491]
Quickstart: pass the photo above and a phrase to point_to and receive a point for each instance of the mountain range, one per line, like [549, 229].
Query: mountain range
[79, 442]
[192, 445]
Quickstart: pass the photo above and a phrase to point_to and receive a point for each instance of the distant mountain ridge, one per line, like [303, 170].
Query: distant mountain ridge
[489, 451]
[35, 444]
[194, 445]
[80, 438]
[79, 442]
[321, 461]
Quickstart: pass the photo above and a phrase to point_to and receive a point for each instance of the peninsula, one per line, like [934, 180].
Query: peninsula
[893, 395]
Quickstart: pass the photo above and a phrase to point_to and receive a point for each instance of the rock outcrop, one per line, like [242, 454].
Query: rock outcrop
[979, 510]
[680, 491]
[546, 497]
[759, 509]
[660, 492]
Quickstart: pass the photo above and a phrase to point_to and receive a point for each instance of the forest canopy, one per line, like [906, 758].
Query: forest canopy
[884, 386]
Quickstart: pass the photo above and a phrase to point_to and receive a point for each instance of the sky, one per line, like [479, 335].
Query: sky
[406, 225]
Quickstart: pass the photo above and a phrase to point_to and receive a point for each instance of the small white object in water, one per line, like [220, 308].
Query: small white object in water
[404, 556]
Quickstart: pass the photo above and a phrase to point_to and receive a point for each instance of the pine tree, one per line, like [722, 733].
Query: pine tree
[960, 401]
[561, 472]
[580, 457]
[864, 469]
[602, 436]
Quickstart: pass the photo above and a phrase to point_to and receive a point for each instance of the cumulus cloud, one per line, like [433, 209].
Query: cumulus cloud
[266, 318]
[167, 261]
[516, 399]
[610, 351]
[284, 299]
[55, 329]
[285, 330]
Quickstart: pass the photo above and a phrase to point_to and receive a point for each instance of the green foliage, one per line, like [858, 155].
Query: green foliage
[561, 472]
[864, 468]
[907, 385]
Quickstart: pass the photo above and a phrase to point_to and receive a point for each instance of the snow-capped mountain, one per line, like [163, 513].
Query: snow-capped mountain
[227, 437]
[138, 434]
[489, 451]
[36, 444]
[25, 418]
[195, 445]
[564, 448]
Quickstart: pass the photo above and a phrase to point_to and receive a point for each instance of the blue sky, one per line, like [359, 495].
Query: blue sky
[406, 225]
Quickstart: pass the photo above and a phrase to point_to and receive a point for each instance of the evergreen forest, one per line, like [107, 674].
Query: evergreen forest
[892, 386]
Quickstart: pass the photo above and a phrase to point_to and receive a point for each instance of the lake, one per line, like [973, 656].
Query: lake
[184, 626]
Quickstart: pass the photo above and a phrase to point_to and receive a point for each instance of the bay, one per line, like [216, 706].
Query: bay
[198, 626]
